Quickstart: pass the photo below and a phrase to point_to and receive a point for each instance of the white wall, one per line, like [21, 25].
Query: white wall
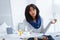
[5, 12]
[57, 15]
[17, 7]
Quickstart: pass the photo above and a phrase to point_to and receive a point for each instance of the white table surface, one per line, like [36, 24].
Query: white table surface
[24, 35]
[17, 37]
[27, 35]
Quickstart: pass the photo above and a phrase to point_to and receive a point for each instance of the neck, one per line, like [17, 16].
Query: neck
[34, 18]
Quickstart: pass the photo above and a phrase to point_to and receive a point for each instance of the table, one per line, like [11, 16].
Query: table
[16, 36]
[27, 35]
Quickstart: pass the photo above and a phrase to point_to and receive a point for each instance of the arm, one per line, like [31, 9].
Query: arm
[51, 22]
[23, 25]
[44, 30]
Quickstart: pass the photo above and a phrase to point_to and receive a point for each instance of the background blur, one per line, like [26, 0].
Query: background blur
[12, 12]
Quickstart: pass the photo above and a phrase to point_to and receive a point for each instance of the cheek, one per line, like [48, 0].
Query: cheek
[35, 13]
[30, 13]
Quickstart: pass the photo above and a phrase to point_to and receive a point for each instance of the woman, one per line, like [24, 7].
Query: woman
[34, 21]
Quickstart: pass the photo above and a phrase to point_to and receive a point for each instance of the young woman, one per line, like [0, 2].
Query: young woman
[34, 21]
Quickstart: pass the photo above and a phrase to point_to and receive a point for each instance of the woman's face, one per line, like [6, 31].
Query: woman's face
[32, 12]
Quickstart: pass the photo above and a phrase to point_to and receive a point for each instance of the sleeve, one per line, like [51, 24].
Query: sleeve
[43, 30]
[22, 25]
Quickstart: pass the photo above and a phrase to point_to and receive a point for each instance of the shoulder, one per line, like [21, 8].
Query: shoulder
[41, 21]
[25, 21]
[41, 18]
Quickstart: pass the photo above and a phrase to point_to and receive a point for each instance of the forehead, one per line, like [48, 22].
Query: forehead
[32, 8]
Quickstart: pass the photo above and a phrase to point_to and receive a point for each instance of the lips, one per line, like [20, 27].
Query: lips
[33, 13]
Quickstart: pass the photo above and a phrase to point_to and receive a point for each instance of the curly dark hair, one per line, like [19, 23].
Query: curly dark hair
[27, 15]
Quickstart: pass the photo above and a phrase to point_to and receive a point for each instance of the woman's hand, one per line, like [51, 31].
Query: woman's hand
[45, 38]
[53, 21]
[35, 38]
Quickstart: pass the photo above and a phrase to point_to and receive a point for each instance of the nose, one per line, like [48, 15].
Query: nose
[33, 11]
